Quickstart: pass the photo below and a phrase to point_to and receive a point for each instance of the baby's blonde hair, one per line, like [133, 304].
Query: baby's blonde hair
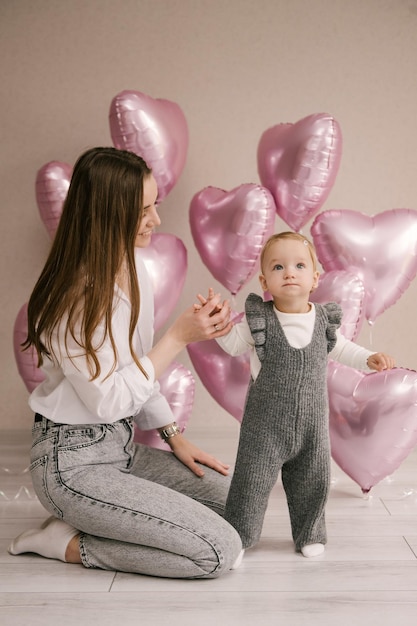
[289, 235]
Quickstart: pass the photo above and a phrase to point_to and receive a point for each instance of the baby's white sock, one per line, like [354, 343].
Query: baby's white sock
[312, 549]
[50, 540]
[238, 560]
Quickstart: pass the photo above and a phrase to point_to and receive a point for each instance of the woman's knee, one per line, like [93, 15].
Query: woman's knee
[224, 553]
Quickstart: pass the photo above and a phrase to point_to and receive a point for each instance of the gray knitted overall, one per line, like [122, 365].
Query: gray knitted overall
[285, 427]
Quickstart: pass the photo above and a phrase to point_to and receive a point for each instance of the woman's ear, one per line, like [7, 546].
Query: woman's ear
[262, 280]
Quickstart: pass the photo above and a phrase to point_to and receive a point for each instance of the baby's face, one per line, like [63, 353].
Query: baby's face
[288, 272]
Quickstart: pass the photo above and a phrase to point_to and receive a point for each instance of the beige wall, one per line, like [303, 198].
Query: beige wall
[236, 67]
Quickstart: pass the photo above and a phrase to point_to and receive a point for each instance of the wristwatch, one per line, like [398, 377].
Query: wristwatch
[169, 431]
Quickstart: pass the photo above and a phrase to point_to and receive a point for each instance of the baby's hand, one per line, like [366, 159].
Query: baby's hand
[380, 361]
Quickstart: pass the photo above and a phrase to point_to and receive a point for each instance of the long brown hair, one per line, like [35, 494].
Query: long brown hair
[95, 235]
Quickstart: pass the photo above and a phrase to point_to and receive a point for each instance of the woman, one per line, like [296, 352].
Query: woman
[115, 504]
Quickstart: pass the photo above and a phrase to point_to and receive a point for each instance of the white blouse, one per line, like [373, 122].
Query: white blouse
[298, 329]
[67, 395]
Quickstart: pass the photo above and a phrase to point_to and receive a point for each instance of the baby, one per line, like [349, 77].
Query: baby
[285, 422]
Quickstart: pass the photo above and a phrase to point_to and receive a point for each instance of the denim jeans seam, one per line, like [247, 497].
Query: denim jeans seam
[83, 552]
[43, 462]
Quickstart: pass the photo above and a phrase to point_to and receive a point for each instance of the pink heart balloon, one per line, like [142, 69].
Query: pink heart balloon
[178, 386]
[373, 421]
[226, 378]
[347, 290]
[156, 130]
[380, 250]
[298, 163]
[166, 261]
[52, 183]
[229, 230]
[26, 361]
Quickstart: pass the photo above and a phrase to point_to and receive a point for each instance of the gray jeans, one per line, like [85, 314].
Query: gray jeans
[138, 508]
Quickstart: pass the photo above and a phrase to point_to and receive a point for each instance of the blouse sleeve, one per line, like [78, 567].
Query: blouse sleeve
[155, 412]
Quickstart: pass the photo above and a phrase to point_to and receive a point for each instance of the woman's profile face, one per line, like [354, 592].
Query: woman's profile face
[150, 218]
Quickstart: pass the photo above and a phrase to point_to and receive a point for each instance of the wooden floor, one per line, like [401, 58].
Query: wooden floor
[367, 576]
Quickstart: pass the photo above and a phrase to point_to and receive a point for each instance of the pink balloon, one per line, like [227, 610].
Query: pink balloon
[380, 250]
[347, 290]
[178, 386]
[26, 361]
[226, 378]
[373, 421]
[166, 262]
[156, 130]
[52, 183]
[298, 163]
[229, 230]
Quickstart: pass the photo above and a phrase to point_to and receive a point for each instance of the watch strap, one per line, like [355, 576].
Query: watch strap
[169, 431]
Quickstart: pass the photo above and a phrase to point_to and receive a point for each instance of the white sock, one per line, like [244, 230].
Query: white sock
[312, 549]
[238, 560]
[50, 540]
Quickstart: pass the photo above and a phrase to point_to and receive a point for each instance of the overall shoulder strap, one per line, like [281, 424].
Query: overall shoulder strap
[256, 311]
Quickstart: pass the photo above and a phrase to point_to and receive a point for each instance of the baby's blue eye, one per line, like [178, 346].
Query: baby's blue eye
[277, 267]
[300, 266]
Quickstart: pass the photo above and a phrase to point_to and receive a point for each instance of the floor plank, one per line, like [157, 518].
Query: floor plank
[205, 609]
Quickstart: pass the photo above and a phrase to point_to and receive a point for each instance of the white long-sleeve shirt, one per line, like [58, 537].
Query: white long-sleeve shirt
[298, 329]
[67, 395]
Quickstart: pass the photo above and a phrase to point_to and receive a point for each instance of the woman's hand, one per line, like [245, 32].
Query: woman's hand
[211, 321]
[380, 361]
[211, 318]
[190, 455]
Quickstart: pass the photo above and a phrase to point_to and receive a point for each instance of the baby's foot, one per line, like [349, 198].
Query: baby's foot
[312, 549]
[50, 540]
